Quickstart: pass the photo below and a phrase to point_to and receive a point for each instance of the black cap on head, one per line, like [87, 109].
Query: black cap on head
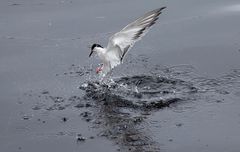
[95, 45]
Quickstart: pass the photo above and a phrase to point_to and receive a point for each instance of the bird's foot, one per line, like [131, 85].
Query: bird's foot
[99, 69]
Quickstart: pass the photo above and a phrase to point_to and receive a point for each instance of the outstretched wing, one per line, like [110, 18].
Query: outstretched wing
[121, 42]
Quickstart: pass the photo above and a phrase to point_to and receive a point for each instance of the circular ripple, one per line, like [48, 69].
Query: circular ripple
[140, 91]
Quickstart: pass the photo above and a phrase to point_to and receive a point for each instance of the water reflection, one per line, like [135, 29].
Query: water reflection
[123, 107]
[127, 128]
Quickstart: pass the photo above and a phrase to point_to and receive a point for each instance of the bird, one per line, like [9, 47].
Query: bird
[121, 42]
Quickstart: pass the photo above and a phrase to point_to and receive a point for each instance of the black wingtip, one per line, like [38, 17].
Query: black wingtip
[162, 8]
[159, 10]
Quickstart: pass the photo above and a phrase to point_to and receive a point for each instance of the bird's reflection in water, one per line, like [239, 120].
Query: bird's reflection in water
[127, 127]
[122, 107]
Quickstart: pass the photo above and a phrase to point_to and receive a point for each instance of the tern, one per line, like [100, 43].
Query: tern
[121, 42]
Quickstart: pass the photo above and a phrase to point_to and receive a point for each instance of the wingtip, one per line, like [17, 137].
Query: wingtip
[158, 11]
[162, 8]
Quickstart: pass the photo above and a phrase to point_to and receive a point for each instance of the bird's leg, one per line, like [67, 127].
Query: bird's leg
[99, 69]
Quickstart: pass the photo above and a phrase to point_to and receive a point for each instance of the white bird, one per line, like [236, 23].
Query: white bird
[121, 42]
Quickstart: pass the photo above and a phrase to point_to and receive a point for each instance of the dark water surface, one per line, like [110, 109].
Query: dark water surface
[178, 90]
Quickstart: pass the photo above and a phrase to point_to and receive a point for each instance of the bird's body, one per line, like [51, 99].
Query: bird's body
[121, 42]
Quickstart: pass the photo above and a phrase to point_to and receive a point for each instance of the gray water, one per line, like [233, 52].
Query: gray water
[178, 89]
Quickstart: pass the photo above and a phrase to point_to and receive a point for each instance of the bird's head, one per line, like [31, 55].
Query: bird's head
[93, 48]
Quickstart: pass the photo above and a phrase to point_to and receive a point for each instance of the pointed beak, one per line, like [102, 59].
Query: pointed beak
[89, 46]
[90, 53]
